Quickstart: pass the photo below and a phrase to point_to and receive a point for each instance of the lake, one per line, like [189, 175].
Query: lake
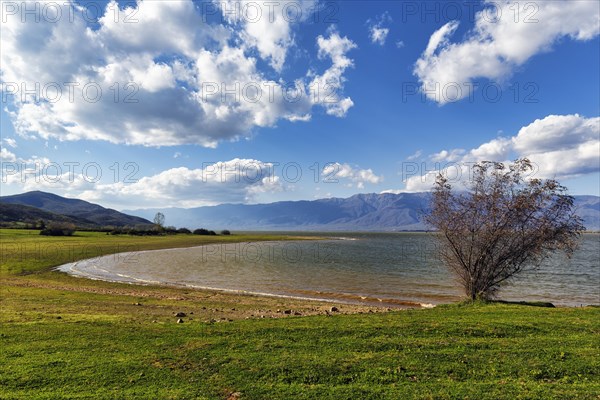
[393, 269]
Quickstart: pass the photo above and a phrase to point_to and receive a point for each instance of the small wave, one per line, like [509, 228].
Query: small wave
[358, 299]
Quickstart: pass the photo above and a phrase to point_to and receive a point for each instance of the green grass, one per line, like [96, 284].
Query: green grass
[105, 346]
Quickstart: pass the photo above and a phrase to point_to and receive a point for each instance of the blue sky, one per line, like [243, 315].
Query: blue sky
[386, 95]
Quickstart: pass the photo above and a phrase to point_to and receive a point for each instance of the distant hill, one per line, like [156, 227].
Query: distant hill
[79, 210]
[26, 215]
[361, 212]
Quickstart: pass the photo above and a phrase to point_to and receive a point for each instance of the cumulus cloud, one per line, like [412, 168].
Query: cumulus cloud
[15, 161]
[6, 155]
[156, 73]
[325, 89]
[41, 173]
[334, 172]
[506, 35]
[266, 25]
[233, 181]
[378, 32]
[555, 132]
[446, 155]
[559, 146]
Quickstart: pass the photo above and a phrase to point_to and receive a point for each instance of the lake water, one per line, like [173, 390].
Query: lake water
[394, 269]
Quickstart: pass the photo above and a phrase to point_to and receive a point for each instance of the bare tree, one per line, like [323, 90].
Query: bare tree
[502, 225]
[159, 219]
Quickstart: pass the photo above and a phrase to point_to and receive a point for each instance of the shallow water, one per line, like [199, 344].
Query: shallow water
[395, 269]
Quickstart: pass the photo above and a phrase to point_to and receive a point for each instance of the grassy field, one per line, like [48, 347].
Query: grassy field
[64, 337]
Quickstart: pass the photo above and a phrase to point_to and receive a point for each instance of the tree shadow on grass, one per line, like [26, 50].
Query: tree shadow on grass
[526, 303]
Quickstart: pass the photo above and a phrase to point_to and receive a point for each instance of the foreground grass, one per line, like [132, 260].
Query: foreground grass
[105, 347]
[63, 337]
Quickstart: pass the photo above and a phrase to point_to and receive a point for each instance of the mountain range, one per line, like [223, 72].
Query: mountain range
[361, 212]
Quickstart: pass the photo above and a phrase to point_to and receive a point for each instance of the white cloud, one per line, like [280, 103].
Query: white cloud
[10, 142]
[496, 149]
[378, 35]
[323, 196]
[325, 89]
[393, 191]
[333, 172]
[152, 27]
[161, 79]
[266, 26]
[7, 156]
[449, 156]
[378, 32]
[556, 131]
[416, 155]
[40, 173]
[559, 146]
[495, 46]
[233, 181]
[418, 183]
